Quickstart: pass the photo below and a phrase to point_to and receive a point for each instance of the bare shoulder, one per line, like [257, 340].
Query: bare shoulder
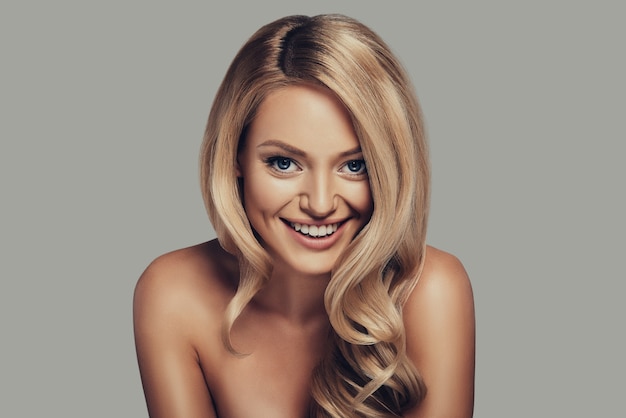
[443, 276]
[440, 329]
[177, 310]
[204, 265]
[194, 282]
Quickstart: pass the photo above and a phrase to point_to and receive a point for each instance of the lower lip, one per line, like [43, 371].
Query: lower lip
[316, 243]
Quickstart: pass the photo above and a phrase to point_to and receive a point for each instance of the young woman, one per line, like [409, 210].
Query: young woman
[320, 297]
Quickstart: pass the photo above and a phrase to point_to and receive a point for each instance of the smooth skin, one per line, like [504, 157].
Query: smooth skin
[303, 145]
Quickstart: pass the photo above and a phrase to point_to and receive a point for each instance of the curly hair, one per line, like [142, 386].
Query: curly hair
[366, 372]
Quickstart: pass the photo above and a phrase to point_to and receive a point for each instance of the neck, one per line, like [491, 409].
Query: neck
[296, 298]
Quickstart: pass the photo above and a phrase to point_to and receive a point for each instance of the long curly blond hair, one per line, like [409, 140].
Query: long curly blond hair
[366, 372]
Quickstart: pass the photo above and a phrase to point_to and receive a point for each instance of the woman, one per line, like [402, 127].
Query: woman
[320, 297]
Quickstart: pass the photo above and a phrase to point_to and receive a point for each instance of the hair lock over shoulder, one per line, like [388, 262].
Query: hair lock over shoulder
[366, 372]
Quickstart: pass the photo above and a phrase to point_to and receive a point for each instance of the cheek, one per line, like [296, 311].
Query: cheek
[361, 199]
[254, 199]
[263, 194]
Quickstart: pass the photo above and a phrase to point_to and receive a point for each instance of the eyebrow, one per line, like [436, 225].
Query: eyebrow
[298, 151]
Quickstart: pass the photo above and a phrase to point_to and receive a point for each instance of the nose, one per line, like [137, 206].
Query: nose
[319, 197]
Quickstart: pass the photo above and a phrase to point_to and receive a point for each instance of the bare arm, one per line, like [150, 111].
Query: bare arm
[440, 326]
[172, 378]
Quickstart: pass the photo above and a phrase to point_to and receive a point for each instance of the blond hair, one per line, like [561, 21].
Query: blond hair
[366, 372]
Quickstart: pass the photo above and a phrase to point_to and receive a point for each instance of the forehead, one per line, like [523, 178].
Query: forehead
[305, 116]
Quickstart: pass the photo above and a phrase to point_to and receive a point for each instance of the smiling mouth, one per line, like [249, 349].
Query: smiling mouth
[315, 231]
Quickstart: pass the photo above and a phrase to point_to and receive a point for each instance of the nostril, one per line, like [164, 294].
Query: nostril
[318, 208]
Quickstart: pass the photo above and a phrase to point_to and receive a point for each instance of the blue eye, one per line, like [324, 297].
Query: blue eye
[281, 164]
[355, 166]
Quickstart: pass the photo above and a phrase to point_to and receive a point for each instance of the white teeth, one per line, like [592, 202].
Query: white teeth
[315, 230]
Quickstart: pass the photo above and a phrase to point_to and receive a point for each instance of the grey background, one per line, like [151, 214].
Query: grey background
[103, 105]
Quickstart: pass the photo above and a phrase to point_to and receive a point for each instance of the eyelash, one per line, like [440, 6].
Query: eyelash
[362, 169]
[274, 161]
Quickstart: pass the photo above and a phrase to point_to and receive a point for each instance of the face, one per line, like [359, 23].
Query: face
[305, 185]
